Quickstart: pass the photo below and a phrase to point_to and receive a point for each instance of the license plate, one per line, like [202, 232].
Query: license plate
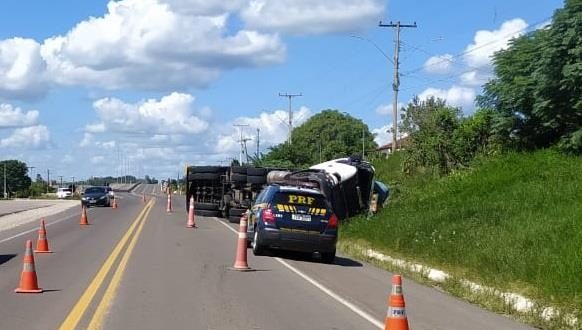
[301, 217]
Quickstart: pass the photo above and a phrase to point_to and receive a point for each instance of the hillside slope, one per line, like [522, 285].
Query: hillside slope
[513, 222]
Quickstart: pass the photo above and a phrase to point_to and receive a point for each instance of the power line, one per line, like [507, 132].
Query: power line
[468, 51]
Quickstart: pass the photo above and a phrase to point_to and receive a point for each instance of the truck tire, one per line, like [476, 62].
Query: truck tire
[328, 257]
[207, 213]
[238, 169]
[233, 219]
[236, 212]
[205, 206]
[240, 178]
[256, 171]
[256, 179]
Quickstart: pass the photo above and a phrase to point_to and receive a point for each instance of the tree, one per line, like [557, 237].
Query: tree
[430, 126]
[17, 180]
[537, 89]
[327, 135]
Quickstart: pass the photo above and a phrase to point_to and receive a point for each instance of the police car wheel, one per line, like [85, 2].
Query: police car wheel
[258, 249]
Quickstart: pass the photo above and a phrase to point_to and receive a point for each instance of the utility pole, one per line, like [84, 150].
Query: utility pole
[290, 96]
[258, 142]
[363, 144]
[30, 168]
[242, 141]
[48, 180]
[5, 180]
[246, 152]
[61, 177]
[73, 188]
[396, 81]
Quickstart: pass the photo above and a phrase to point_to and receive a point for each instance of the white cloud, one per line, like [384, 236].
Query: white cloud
[386, 109]
[383, 134]
[140, 44]
[312, 16]
[455, 96]
[67, 159]
[27, 137]
[441, 64]
[144, 44]
[21, 69]
[486, 43]
[477, 58]
[475, 78]
[204, 7]
[273, 129]
[11, 116]
[172, 114]
[95, 128]
[108, 145]
[87, 140]
[97, 159]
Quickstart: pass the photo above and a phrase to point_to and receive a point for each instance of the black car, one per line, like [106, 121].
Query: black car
[94, 196]
[295, 219]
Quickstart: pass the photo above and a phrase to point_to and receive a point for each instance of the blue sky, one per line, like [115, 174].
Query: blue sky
[148, 86]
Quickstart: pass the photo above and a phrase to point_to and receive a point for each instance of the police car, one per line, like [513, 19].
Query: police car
[293, 218]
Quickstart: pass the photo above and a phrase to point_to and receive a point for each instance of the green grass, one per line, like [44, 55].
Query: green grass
[513, 222]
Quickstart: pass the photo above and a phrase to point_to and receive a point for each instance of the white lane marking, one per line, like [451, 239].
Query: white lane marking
[324, 289]
[227, 226]
[32, 230]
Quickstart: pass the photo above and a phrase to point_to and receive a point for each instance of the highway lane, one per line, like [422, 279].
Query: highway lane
[65, 274]
[179, 278]
[148, 190]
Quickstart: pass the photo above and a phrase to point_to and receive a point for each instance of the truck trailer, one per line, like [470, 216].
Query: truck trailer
[228, 191]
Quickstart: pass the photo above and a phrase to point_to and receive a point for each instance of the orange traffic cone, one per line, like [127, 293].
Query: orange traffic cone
[240, 263]
[114, 204]
[84, 221]
[169, 204]
[42, 245]
[28, 280]
[396, 317]
[191, 221]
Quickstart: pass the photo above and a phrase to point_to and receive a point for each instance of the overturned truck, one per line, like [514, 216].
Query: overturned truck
[220, 191]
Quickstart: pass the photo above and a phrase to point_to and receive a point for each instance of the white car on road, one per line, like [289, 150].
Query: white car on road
[64, 193]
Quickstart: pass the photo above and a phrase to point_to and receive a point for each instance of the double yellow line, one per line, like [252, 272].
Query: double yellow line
[81, 306]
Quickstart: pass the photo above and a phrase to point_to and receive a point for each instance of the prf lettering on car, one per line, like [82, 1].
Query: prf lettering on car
[303, 200]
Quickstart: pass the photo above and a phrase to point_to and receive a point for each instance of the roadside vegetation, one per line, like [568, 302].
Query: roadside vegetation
[20, 185]
[513, 222]
[494, 197]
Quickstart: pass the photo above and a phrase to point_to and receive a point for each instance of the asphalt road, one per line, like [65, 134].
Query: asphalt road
[166, 276]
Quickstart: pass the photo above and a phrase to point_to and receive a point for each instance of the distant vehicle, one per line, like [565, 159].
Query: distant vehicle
[293, 218]
[94, 196]
[64, 193]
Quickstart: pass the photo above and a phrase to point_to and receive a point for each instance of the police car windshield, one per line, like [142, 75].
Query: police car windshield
[300, 199]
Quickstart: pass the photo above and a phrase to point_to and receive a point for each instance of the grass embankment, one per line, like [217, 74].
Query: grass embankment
[513, 222]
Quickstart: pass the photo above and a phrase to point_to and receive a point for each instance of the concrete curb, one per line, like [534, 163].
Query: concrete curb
[518, 302]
